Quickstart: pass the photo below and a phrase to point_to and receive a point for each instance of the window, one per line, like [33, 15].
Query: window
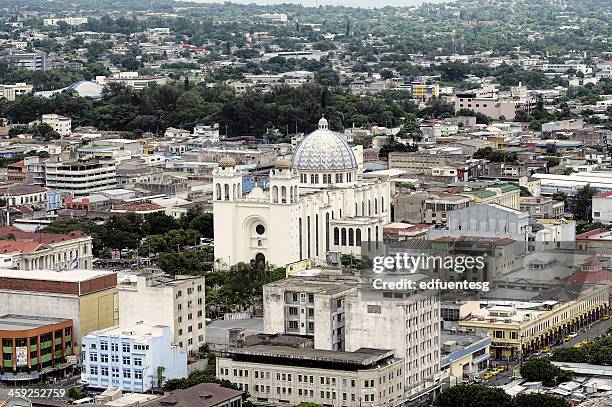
[93, 370]
[138, 374]
[93, 357]
[104, 371]
[125, 347]
[293, 310]
[127, 374]
[104, 358]
[260, 229]
[103, 345]
[126, 360]
[137, 362]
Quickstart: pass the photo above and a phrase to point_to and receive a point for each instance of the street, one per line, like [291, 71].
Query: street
[591, 332]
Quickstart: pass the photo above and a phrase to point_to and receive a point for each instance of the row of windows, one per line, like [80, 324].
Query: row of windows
[126, 360]
[103, 371]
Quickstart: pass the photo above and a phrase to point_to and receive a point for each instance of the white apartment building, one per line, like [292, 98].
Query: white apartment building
[72, 21]
[11, 92]
[133, 357]
[562, 68]
[61, 124]
[343, 313]
[177, 302]
[210, 133]
[80, 178]
[277, 374]
[602, 208]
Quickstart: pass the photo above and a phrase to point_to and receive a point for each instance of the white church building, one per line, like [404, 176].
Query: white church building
[314, 205]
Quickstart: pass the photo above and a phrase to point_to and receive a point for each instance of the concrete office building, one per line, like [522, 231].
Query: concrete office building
[277, 374]
[87, 297]
[177, 302]
[345, 313]
[79, 178]
[134, 357]
[34, 61]
[34, 346]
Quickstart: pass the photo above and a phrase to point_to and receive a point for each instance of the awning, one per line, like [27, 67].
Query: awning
[481, 358]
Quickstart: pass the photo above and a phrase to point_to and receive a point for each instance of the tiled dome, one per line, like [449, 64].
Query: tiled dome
[323, 150]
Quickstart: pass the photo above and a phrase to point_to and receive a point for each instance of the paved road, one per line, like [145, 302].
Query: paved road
[595, 330]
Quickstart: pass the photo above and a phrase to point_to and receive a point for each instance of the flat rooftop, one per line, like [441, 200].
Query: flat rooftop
[69, 276]
[138, 331]
[13, 322]
[361, 357]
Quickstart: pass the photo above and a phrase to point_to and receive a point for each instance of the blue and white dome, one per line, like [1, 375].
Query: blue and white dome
[323, 150]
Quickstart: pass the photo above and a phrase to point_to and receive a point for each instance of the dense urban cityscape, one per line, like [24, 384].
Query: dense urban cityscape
[307, 205]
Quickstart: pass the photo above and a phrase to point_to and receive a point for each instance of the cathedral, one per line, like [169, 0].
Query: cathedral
[313, 205]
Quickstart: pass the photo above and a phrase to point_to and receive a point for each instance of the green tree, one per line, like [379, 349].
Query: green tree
[473, 395]
[540, 370]
[582, 202]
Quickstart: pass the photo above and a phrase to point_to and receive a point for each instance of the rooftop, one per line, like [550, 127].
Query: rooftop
[361, 357]
[71, 276]
[201, 395]
[13, 322]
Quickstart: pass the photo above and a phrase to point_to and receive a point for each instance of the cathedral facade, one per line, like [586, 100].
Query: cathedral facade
[313, 205]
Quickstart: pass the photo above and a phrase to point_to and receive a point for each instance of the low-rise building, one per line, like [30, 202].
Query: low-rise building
[542, 207]
[177, 302]
[34, 346]
[39, 250]
[86, 297]
[134, 357]
[290, 375]
[463, 357]
[72, 21]
[11, 92]
[602, 208]
[33, 61]
[518, 328]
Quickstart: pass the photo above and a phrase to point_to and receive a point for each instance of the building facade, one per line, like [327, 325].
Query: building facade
[86, 297]
[313, 206]
[33, 346]
[275, 374]
[11, 92]
[177, 302]
[79, 178]
[135, 357]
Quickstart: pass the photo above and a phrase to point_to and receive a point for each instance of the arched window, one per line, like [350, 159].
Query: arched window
[336, 236]
[233, 191]
[369, 208]
[382, 204]
[301, 237]
[369, 239]
[358, 237]
[362, 208]
[340, 214]
[218, 188]
[312, 178]
[351, 237]
[375, 206]
[275, 194]
[227, 192]
[355, 208]
[291, 194]
[343, 236]
[308, 236]
[284, 194]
